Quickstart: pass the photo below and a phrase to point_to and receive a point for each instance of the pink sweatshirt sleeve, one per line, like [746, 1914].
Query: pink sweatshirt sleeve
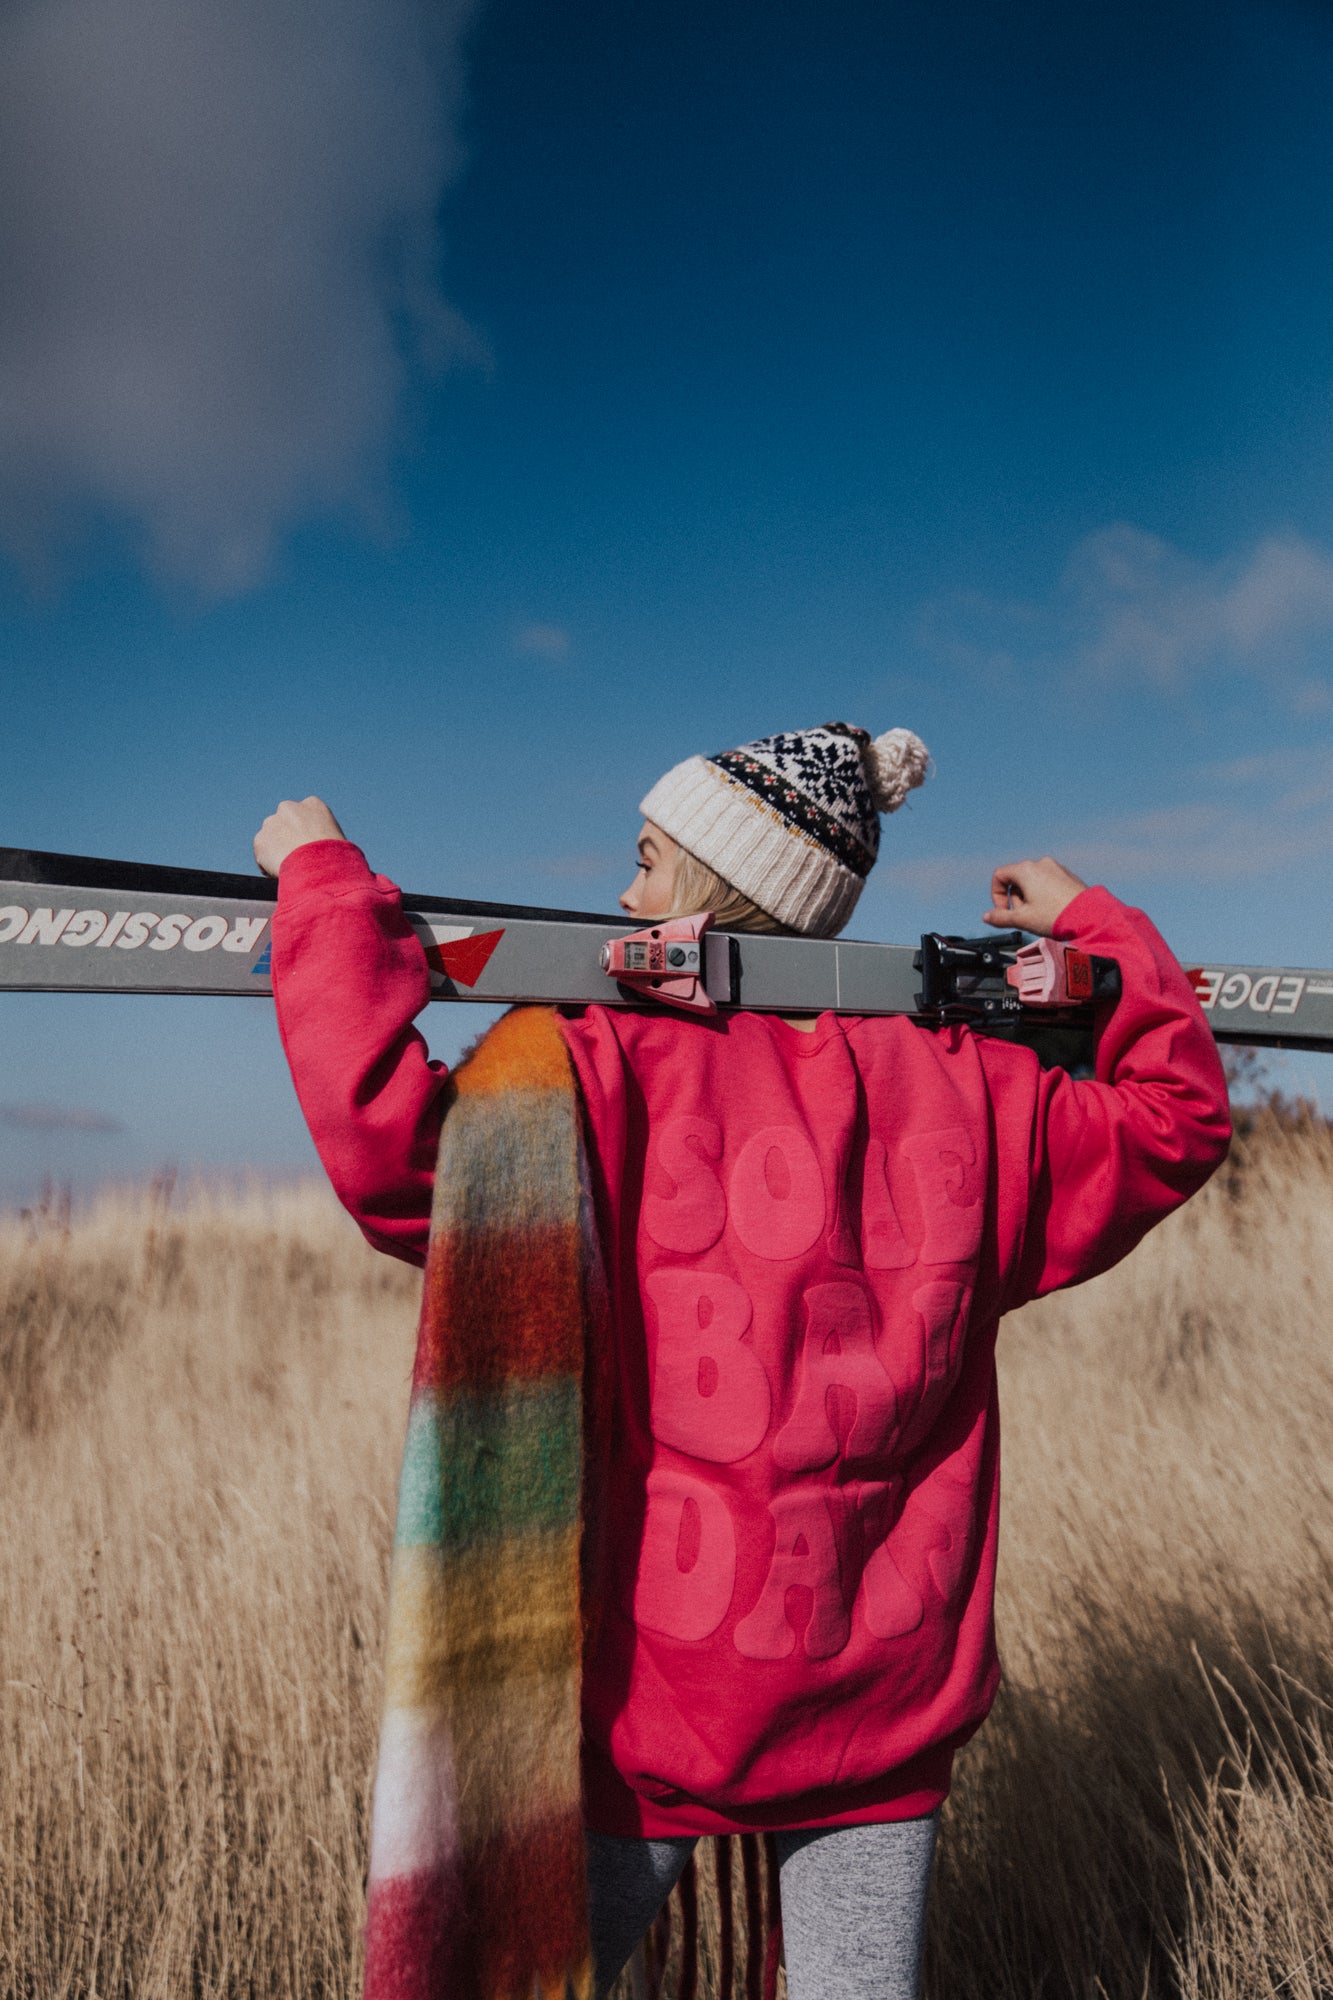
[1110, 1157]
[349, 977]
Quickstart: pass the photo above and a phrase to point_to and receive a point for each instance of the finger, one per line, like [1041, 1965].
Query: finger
[1006, 895]
[1010, 876]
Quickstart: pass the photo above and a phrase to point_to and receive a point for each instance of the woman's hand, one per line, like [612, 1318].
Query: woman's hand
[292, 825]
[1031, 896]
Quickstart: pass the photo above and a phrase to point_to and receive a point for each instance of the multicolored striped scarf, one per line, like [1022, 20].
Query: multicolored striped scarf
[477, 1872]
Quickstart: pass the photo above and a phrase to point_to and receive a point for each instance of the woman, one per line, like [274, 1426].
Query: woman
[808, 1231]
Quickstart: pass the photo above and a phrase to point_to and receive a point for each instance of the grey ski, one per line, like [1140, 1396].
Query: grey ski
[78, 924]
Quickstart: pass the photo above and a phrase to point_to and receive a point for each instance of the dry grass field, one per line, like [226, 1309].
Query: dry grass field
[200, 1409]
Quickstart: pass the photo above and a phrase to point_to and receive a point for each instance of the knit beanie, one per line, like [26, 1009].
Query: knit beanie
[792, 821]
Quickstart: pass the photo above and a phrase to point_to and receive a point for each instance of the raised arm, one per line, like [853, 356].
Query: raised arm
[1110, 1157]
[349, 977]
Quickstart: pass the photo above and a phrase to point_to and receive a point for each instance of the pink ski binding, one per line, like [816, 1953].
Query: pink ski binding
[1047, 974]
[665, 962]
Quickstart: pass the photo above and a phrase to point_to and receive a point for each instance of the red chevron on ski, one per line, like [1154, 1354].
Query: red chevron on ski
[463, 959]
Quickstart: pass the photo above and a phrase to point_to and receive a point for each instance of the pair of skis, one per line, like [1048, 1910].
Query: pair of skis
[74, 924]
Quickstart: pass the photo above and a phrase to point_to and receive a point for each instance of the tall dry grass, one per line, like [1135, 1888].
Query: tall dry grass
[202, 1415]
[1150, 1809]
[200, 1412]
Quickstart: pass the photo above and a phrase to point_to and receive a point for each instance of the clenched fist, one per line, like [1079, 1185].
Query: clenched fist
[1031, 896]
[292, 825]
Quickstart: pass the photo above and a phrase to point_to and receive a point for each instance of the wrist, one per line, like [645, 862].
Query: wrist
[333, 862]
[1080, 911]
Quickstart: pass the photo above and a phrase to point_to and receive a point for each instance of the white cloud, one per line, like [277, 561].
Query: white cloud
[548, 642]
[1213, 842]
[218, 249]
[1131, 609]
[1148, 612]
[1214, 834]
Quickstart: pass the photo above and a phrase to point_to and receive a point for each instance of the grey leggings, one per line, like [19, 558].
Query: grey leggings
[853, 1905]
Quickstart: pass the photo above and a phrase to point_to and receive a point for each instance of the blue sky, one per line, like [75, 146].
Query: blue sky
[464, 412]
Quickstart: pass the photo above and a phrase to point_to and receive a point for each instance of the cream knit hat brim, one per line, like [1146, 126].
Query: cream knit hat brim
[787, 874]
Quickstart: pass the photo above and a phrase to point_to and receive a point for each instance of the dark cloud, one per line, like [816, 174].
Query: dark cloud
[218, 259]
[57, 1118]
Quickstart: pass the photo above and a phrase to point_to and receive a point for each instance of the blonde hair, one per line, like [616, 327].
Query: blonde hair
[698, 887]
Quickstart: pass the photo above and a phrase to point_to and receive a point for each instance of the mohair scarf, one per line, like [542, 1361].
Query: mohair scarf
[477, 1876]
[478, 1886]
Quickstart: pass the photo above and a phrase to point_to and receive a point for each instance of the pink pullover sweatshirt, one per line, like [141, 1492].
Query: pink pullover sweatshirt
[809, 1240]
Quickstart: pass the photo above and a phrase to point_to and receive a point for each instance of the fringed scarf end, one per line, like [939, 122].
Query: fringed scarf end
[573, 1982]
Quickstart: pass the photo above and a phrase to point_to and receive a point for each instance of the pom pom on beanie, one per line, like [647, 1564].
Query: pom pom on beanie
[896, 763]
[792, 820]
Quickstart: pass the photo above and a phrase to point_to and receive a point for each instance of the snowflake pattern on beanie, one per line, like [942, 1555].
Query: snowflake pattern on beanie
[814, 779]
